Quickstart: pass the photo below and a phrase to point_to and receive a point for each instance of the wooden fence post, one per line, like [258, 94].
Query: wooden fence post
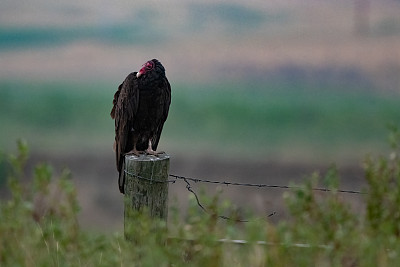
[146, 187]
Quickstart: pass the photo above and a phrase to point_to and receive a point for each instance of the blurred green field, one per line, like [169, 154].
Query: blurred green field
[277, 120]
[284, 87]
[279, 81]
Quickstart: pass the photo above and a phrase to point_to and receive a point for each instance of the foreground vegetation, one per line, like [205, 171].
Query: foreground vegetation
[39, 226]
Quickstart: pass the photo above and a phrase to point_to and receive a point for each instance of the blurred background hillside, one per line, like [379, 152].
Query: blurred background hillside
[263, 92]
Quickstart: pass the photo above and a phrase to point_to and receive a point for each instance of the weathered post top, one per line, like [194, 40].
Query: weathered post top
[146, 186]
[147, 157]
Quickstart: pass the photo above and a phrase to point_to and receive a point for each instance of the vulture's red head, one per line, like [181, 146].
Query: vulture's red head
[150, 66]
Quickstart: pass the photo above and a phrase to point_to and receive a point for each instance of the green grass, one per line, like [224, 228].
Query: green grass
[39, 225]
[250, 118]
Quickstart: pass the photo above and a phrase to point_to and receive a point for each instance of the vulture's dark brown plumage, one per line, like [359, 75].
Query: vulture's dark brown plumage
[140, 108]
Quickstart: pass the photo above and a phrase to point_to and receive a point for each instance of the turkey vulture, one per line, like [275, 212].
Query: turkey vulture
[140, 108]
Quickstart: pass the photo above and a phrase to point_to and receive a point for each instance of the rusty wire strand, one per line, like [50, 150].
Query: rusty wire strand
[189, 188]
[196, 180]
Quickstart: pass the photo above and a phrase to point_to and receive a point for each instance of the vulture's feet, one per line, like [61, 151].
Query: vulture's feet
[154, 153]
[135, 152]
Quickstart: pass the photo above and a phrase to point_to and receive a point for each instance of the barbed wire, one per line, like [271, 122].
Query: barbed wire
[262, 243]
[150, 179]
[196, 180]
[189, 188]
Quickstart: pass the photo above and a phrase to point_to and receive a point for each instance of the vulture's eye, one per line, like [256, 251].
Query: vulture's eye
[149, 65]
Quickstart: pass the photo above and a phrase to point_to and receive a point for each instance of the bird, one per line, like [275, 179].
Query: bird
[140, 109]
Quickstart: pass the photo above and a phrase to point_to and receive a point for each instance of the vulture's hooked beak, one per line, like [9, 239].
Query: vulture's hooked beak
[138, 74]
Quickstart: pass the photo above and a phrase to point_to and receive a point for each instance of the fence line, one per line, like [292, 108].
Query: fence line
[298, 245]
[196, 180]
[187, 180]
[262, 243]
